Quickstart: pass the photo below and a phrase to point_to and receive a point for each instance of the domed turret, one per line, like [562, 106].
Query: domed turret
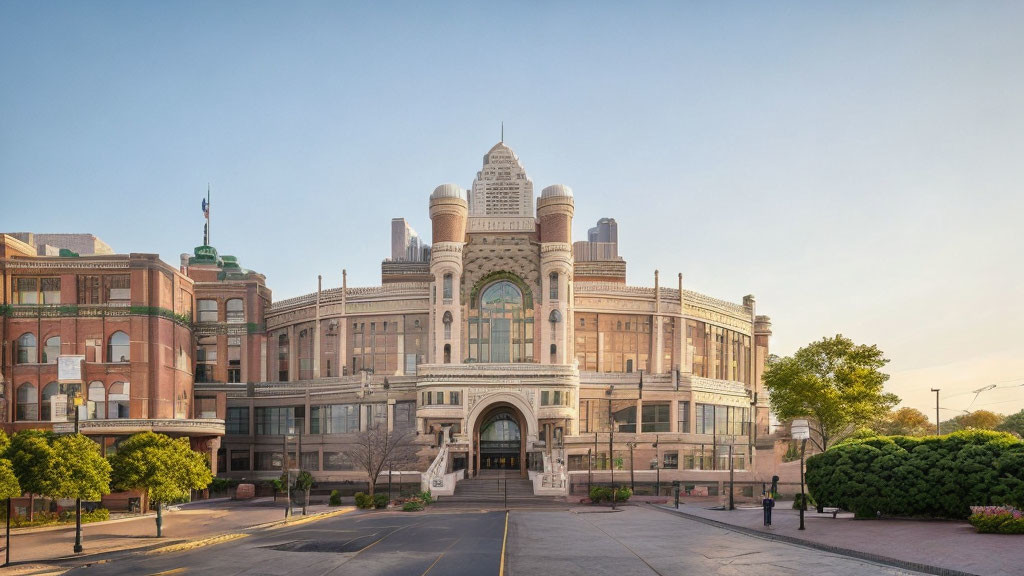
[556, 190]
[554, 210]
[448, 211]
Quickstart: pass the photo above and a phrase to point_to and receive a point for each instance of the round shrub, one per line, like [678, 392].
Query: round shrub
[363, 500]
[335, 498]
[932, 476]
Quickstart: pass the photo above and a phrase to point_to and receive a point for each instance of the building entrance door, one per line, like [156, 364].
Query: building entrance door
[500, 442]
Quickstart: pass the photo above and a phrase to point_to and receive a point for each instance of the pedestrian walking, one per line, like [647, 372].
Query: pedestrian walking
[767, 503]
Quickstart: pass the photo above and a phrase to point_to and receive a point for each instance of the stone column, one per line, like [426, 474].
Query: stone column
[316, 329]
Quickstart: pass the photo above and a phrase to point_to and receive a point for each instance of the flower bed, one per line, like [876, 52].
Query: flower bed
[997, 520]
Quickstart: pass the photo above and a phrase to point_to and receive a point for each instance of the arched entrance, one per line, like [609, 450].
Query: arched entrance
[499, 439]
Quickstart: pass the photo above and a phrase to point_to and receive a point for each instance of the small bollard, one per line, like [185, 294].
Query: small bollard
[675, 488]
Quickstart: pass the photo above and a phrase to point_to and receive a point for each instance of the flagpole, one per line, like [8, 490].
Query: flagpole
[208, 243]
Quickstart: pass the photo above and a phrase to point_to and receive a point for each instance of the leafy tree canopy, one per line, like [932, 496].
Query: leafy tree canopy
[79, 471]
[904, 422]
[1014, 423]
[9, 487]
[978, 420]
[168, 469]
[834, 383]
[31, 456]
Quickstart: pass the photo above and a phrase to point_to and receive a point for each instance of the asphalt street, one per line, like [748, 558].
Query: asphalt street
[638, 540]
[397, 543]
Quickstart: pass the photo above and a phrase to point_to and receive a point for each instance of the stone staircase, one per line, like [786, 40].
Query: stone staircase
[492, 490]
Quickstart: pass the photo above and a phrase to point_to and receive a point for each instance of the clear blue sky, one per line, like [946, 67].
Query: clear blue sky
[858, 166]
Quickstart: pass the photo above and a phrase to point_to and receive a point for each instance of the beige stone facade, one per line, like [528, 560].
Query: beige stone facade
[507, 353]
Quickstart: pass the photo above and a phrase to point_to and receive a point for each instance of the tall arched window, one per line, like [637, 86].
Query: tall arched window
[118, 400]
[553, 319]
[119, 348]
[282, 357]
[447, 353]
[446, 292]
[28, 403]
[49, 391]
[447, 321]
[27, 352]
[51, 350]
[96, 405]
[553, 285]
[306, 354]
[501, 328]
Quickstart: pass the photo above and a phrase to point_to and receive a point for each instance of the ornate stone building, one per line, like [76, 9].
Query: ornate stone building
[503, 352]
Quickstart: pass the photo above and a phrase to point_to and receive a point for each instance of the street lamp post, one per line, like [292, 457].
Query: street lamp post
[387, 426]
[801, 431]
[936, 390]
[78, 501]
[611, 443]
[632, 479]
[657, 466]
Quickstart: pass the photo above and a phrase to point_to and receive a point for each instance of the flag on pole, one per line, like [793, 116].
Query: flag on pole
[206, 208]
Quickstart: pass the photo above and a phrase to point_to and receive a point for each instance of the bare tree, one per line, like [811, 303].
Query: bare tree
[375, 450]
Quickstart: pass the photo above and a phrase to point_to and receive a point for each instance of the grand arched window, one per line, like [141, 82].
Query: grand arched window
[28, 403]
[27, 352]
[97, 402]
[501, 326]
[46, 410]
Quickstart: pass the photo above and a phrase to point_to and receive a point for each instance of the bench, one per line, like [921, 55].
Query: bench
[832, 511]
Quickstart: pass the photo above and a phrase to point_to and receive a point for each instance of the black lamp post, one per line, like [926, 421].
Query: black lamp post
[611, 443]
[632, 482]
[78, 501]
[657, 465]
[801, 431]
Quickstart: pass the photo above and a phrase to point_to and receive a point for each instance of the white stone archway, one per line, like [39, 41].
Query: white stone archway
[497, 400]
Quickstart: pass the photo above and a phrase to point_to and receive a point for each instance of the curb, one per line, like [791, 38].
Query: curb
[71, 525]
[192, 544]
[876, 558]
[305, 520]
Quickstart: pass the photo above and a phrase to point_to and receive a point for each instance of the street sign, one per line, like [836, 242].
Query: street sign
[800, 430]
[63, 427]
[69, 368]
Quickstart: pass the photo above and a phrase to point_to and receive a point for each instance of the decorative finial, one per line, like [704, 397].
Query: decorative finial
[502, 131]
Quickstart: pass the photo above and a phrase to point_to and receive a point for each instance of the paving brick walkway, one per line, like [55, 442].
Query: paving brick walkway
[949, 545]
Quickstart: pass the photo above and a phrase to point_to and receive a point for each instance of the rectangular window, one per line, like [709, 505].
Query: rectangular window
[207, 310]
[405, 415]
[684, 417]
[279, 420]
[237, 421]
[311, 461]
[440, 397]
[337, 461]
[655, 418]
[340, 418]
[235, 312]
[240, 461]
[376, 414]
[205, 407]
[545, 398]
[88, 289]
[454, 398]
[27, 291]
[671, 460]
[117, 289]
[269, 461]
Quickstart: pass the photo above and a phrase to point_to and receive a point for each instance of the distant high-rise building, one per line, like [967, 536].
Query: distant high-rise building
[607, 230]
[406, 244]
[602, 243]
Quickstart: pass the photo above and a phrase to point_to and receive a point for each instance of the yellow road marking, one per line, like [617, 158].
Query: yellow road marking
[504, 539]
[169, 572]
[429, 568]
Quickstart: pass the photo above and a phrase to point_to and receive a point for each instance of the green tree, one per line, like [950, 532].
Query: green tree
[303, 483]
[31, 456]
[79, 470]
[9, 487]
[834, 383]
[978, 420]
[1014, 423]
[167, 469]
[904, 422]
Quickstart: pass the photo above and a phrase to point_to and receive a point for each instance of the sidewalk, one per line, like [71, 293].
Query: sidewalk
[931, 546]
[38, 550]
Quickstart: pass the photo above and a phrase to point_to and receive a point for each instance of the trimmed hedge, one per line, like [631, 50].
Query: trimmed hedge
[335, 498]
[997, 520]
[932, 476]
[604, 494]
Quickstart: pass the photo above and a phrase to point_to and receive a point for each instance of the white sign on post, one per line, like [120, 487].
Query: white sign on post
[800, 430]
[69, 368]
